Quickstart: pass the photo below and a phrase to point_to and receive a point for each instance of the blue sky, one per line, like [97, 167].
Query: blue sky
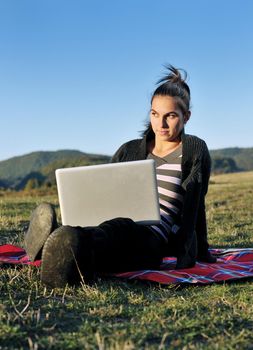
[79, 74]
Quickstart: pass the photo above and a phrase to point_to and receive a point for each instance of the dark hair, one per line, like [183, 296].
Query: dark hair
[174, 85]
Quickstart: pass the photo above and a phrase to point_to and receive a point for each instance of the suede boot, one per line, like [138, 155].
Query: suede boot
[42, 223]
[67, 257]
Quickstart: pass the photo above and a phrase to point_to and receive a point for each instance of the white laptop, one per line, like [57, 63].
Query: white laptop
[90, 195]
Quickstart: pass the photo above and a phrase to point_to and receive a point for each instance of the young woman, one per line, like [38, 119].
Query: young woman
[72, 254]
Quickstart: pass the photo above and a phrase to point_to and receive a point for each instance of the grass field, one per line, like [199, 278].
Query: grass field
[119, 315]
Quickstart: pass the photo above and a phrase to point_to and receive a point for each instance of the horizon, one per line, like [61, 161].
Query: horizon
[99, 154]
[79, 75]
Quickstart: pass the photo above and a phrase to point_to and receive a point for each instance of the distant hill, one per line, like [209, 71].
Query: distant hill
[38, 167]
[234, 159]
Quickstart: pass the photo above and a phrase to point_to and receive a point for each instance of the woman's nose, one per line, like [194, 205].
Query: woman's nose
[164, 123]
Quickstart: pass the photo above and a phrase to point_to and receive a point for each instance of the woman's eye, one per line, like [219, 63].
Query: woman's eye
[172, 116]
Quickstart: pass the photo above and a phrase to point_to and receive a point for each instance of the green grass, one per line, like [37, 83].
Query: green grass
[117, 314]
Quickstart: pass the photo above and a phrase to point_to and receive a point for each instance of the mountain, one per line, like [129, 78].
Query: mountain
[232, 159]
[39, 167]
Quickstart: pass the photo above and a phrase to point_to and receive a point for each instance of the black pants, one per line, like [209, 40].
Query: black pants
[122, 245]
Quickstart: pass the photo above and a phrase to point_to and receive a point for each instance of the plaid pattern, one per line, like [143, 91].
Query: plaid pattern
[232, 264]
[11, 254]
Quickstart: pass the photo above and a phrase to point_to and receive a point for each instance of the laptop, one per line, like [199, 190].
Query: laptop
[90, 195]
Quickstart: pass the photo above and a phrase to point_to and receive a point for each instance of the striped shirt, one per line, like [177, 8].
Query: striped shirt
[168, 173]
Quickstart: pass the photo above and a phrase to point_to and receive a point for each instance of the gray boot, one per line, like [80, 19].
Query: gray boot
[67, 257]
[42, 223]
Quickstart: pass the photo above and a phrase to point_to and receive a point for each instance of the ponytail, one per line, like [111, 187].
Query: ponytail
[174, 85]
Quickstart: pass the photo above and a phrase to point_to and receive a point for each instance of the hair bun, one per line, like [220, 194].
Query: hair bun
[174, 76]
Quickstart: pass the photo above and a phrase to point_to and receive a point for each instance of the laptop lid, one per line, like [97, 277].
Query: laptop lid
[90, 195]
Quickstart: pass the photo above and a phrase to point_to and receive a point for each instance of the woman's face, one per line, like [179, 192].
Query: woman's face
[167, 119]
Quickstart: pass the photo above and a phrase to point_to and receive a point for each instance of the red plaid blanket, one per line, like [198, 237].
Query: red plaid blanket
[232, 264]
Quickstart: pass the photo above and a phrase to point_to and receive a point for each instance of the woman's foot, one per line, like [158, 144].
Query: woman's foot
[42, 223]
[67, 257]
[207, 257]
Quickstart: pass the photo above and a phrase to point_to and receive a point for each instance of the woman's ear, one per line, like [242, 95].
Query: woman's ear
[187, 117]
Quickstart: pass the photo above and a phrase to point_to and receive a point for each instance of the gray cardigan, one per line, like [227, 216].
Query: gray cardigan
[196, 166]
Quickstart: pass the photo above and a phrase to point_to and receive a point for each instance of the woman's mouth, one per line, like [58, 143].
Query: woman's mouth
[163, 132]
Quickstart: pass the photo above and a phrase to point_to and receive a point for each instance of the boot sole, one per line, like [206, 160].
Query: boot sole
[43, 222]
[61, 258]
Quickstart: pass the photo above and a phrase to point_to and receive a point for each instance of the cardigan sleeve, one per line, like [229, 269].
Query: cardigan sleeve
[117, 155]
[201, 222]
[193, 232]
[122, 153]
[129, 151]
[206, 169]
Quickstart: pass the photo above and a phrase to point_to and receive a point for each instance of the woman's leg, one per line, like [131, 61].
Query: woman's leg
[122, 245]
[74, 254]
